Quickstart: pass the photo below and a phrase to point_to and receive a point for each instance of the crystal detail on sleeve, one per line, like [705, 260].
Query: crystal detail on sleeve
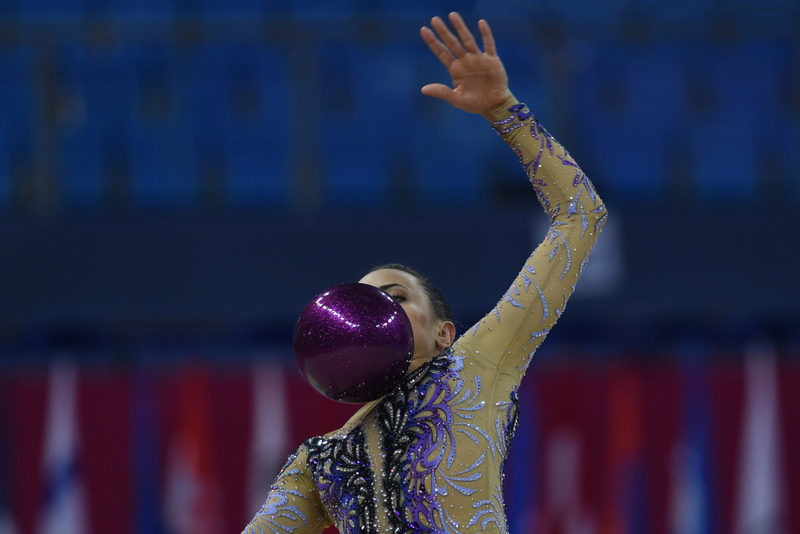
[279, 509]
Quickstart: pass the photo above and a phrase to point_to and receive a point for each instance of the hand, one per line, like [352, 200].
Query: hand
[480, 82]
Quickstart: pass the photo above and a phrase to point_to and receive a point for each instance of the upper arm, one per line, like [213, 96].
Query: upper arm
[293, 503]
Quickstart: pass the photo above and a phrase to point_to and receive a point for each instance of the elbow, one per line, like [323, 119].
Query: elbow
[601, 221]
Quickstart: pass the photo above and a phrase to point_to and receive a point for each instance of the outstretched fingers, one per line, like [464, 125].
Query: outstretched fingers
[488, 38]
[464, 34]
[436, 46]
[448, 38]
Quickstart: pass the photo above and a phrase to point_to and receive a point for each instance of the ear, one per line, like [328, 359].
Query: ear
[446, 335]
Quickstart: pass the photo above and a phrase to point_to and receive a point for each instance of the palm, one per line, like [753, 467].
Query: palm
[479, 79]
[478, 83]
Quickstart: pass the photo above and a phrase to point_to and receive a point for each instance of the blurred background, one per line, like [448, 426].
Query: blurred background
[179, 177]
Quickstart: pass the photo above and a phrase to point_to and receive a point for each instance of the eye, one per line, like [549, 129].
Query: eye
[399, 298]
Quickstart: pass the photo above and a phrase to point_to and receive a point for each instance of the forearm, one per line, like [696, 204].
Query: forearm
[562, 188]
[538, 295]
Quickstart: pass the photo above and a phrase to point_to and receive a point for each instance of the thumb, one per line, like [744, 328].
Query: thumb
[438, 90]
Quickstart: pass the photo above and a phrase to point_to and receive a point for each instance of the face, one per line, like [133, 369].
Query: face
[431, 335]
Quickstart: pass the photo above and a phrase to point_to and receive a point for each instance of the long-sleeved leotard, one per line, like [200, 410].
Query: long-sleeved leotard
[429, 456]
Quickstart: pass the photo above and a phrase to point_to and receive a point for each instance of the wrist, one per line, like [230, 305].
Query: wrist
[500, 111]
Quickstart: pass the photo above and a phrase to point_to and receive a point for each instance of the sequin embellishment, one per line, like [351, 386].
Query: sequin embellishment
[418, 439]
[342, 473]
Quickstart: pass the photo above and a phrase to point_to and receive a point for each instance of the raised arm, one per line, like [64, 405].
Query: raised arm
[293, 504]
[511, 332]
[516, 326]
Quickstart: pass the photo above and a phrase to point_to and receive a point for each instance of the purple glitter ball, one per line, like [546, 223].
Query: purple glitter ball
[353, 343]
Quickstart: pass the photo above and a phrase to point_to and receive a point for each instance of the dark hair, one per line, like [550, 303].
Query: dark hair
[440, 308]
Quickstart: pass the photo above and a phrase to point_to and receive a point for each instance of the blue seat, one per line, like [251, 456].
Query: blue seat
[324, 10]
[787, 139]
[745, 84]
[610, 10]
[725, 162]
[749, 83]
[664, 10]
[257, 127]
[238, 9]
[163, 169]
[242, 100]
[15, 118]
[203, 90]
[51, 10]
[599, 95]
[9, 9]
[367, 96]
[422, 10]
[451, 149]
[142, 10]
[629, 109]
[779, 7]
[523, 63]
[94, 138]
[630, 159]
[656, 85]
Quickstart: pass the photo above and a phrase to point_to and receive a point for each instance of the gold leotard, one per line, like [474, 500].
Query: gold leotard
[429, 456]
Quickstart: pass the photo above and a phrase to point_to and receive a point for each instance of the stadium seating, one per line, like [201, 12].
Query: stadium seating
[327, 11]
[51, 11]
[95, 132]
[158, 116]
[363, 91]
[238, 119]
[629, 103]
[142, 11]
[746, 84]
[163, 171]
[16, 116]
[725, 163]
[239, 10]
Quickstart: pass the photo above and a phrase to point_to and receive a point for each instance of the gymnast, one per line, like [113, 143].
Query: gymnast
[429, 456]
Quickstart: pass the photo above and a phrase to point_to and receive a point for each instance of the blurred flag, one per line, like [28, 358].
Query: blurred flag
[789, 389]
[691, 503]
[193, 495]
[760, 485]
[7, 523]
[270, 433]
[662, 433]
[64, 508]
[567, 424]
[564, 510]
[520, 468]
[145, 455]
[624, 511]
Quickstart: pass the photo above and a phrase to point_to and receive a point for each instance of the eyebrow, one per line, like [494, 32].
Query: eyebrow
[390, 286]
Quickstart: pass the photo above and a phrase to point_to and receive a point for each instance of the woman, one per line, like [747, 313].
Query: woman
[428, 457]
